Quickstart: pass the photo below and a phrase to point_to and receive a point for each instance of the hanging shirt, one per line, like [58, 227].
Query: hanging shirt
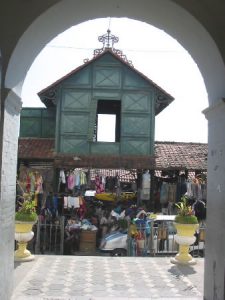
[39, 182]
[65, 200]
[71, 202]
[70, 182]
[55, 202]
[28, 184]
[76, 202]
[172, 189]
[83, 179]
[62, 177]
[98, 185]
[146, 180]
[32, 182]
[164, 193]
[189, 190]
[146, 183]
[77, 182]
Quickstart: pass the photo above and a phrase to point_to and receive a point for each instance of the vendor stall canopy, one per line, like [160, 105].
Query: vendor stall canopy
[107, 84]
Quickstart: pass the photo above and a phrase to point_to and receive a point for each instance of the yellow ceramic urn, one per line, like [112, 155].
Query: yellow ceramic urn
[185, 237]
[23, 234]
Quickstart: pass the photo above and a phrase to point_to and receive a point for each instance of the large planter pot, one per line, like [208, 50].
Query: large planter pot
[23, 234]
[184, 237]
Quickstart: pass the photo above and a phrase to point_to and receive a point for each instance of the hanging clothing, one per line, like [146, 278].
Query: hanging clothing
[146, 184]
[83, 179]
[98, 185]
[164, 193]
[62, 182]
[146, 180]
[62, 177]
[204, 191]
[32, 182]
[82, 209]
[196, 190]
[71, 201]
[189, 189]
[55, 202]
[65, 201]
[39, 184]
[181, 188]
[28, 183]
[103, 182]
[71, 181]
[76, 202]
[172, 190]
[77, 178]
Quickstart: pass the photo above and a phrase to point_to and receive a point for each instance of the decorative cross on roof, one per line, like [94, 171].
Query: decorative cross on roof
[108, 40]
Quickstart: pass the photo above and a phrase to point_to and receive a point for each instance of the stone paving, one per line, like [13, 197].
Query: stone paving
[94, 277]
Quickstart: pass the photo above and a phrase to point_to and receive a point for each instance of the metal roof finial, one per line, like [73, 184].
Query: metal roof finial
[108, 40]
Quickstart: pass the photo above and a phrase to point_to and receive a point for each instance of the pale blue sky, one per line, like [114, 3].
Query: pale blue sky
[153, 52]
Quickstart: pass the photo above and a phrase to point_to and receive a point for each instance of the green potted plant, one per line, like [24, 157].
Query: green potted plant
[186, 225]
[27, 211]
[185, 213]
[25, 218]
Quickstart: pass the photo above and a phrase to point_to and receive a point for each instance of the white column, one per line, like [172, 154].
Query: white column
[215, 231]
[8, 163]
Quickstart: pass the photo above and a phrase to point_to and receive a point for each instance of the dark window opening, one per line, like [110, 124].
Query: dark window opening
[107, 125]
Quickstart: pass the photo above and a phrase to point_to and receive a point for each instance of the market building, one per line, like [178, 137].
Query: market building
[62, 159]
[68, 128]
[192, 24]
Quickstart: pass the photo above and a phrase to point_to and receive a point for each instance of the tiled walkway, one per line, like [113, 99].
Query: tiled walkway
[94, 277]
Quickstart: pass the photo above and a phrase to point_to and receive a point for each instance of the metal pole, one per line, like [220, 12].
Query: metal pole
[37, 244]
[151, 248]
[62, 223]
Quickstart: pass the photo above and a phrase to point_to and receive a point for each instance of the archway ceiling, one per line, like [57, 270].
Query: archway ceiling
[21, 13]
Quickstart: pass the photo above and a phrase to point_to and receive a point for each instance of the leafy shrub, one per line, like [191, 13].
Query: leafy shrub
[27, 211]
[185, 213]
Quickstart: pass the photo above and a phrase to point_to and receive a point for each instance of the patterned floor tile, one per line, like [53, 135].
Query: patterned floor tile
[104, 277]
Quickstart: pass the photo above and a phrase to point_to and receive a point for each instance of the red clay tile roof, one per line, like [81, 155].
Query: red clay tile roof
[177, 155]
[169, 155]
[36, 148]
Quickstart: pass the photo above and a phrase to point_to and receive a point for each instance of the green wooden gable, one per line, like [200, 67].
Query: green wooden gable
[105, 85]
[37, 122]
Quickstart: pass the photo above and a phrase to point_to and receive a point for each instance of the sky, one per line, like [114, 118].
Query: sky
[153, 52]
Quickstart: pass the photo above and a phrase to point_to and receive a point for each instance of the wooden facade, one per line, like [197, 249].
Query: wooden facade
[104, 85]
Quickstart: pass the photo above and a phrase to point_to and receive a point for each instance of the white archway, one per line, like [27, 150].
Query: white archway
[196, 40]
[161, 13]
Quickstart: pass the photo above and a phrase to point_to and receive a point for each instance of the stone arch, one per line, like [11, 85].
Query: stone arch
[161, 13]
